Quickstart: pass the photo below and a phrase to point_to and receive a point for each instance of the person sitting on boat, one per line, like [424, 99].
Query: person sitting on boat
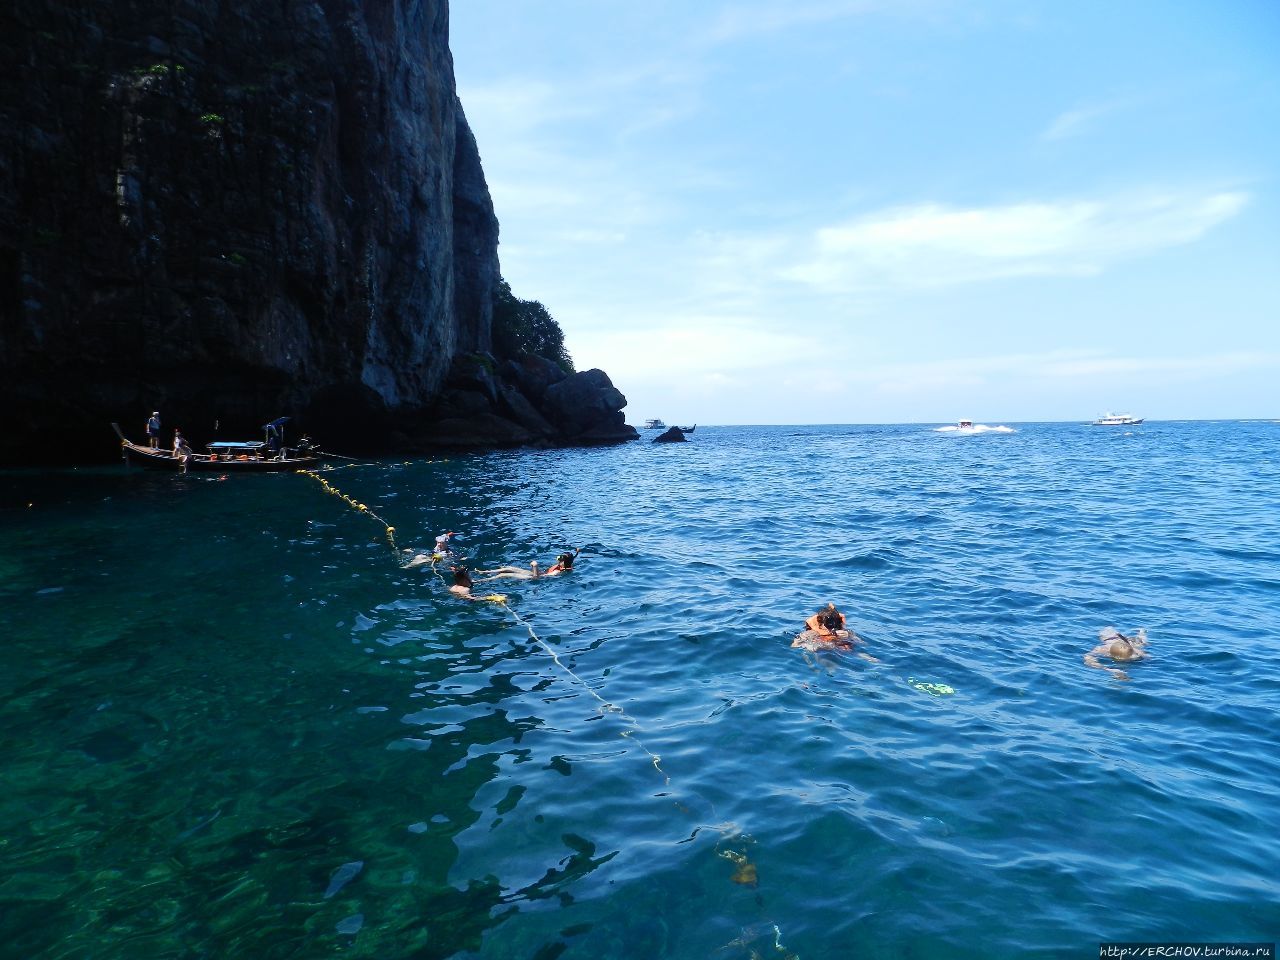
[153, 430]
[181, 449]
[515, 573]
[1119, 648]
[563, 563]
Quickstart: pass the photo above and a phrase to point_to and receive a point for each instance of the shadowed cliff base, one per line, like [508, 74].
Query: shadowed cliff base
[485, 404]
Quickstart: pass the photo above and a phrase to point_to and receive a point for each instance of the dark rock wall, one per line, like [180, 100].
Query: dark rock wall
[230, 210]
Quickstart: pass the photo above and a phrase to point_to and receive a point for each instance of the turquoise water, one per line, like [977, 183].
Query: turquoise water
[233, 726]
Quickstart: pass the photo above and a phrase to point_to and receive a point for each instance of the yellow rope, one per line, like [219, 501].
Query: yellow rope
[605, 704]
[501, 600]
[746, 871]
[356, 505]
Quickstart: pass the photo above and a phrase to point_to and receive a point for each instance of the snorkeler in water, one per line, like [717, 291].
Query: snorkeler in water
[462, 583]
[416, 560]
[1119, 648]
[515, 573]
[827, 622]
[826, 630]
[563, 564]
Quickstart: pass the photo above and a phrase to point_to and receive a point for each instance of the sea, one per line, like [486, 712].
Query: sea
[236, 725]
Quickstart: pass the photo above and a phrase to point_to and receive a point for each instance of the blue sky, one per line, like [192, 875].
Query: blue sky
[884, 211]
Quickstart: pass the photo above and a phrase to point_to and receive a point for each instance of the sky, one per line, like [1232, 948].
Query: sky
[892, 211]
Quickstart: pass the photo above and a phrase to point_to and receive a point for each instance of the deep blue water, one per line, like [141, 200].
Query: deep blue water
[233, 726]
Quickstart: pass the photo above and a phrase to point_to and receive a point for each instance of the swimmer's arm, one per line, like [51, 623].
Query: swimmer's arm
[1092, 661]
[868, 657]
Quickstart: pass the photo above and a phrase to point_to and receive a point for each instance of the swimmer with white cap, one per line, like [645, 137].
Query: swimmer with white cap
[442, 543]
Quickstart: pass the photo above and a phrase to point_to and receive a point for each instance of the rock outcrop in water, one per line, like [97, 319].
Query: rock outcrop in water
[672, 435]
[230, 211]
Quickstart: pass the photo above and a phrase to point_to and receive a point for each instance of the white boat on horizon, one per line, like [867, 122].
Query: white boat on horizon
[969, 427]
[1117, 420]
[654, 425]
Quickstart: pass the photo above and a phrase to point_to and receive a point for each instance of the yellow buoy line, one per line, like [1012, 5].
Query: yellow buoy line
[500, 600]
[746, 871]
[355, 505]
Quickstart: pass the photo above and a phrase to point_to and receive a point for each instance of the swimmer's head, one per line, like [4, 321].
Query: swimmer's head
[461, 577]
[830, 618]
[1123, 650]
[565, 560]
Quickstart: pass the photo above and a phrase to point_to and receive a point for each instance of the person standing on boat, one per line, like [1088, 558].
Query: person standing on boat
[273, 439]
[153, 430]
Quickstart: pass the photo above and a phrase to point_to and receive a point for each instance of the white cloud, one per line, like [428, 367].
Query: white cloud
[934, 245]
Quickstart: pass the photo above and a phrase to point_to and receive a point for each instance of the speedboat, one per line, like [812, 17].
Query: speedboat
[1116, 420]
[654, 425]
[968, 426]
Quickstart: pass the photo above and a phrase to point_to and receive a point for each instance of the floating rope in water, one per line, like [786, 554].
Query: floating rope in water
[355, 505]
[605, 704]
[501, 600]
[746, 870]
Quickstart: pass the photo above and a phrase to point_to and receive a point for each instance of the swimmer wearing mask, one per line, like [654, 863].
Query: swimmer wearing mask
[1117, 647]
[563, 564]
[826, 630]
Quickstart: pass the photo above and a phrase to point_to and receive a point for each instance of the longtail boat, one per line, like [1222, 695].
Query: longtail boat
[250, 456]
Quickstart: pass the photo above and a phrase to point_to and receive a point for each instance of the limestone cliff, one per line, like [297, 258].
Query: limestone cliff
[231, 210]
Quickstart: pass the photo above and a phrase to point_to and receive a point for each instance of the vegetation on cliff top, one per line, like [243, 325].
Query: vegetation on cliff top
[525, 326]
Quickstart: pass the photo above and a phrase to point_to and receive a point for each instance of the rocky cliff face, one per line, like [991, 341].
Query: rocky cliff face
[231, 210]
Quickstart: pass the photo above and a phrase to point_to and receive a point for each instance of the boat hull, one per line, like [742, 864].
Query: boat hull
[202, 463]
